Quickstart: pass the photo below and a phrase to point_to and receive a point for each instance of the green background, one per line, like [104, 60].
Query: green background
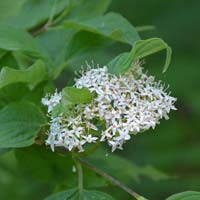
[174, 145]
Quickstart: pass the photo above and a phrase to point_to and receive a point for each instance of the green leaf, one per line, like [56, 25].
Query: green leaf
[52, 167]
[40, 11]
[128, 170]
[95, 195]
[21, 91]
[71, 96]
[8, 8]
[13, 39]
[141, 198]
[147, 47]
[76, 95]
[65, 195]
[4, 150]
[2, 53]
[13, 92]
[111, 25]
[83, 46]
[32, 76]
[141, 49]
[74, 194]
[89, 8]
[20, 124]
[189, 195]
[8, 60]
[54, 42]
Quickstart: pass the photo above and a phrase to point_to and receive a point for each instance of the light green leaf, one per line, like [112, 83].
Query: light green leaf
[8, 8]
[76, 95]
[189, 195]
[141, 198]
[71, 96]
[40, 11]
[88, 8]
[111, 25]
[141, 49]
[32, 76]
[13, 39]
[20, 124]
[147, 47]
[74, 194]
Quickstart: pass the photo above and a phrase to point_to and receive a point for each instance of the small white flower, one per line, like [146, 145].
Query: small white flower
[90, 138]
[74, 169]
[51, 101]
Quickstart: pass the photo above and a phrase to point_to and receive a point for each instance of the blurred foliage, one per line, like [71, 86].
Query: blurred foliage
[173, 147]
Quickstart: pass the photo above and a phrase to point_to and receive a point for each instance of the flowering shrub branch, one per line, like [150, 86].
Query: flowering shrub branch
[110, 103]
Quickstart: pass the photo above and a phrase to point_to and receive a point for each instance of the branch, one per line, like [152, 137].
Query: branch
[112, 179]
[53, 20]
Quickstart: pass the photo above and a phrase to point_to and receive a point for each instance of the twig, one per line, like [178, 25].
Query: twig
[145, 28]
[112, 179]
[52, 20]
[80, 175]
[36, 32]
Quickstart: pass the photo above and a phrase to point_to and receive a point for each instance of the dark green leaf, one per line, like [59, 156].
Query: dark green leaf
[65, 195]
[23, 61]
[83, 47]
[21, 91]
[54, 42]
[2, 53]
[189, 195]
[45, 164]
[128, 170]
[19, 124]
[32, 76]
[50, 167]
[111, 25]
[13, 92]
[74, 194]
[95, 195]
[3, 151]
[8, 60]
[141, 49]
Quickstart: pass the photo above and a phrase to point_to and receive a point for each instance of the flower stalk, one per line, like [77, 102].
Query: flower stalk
[79, 173]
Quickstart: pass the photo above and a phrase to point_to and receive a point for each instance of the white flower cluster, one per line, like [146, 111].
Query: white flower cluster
[126, 105]
[64, 131]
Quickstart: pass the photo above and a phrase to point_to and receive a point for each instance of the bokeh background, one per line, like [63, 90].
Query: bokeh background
[174, 146]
